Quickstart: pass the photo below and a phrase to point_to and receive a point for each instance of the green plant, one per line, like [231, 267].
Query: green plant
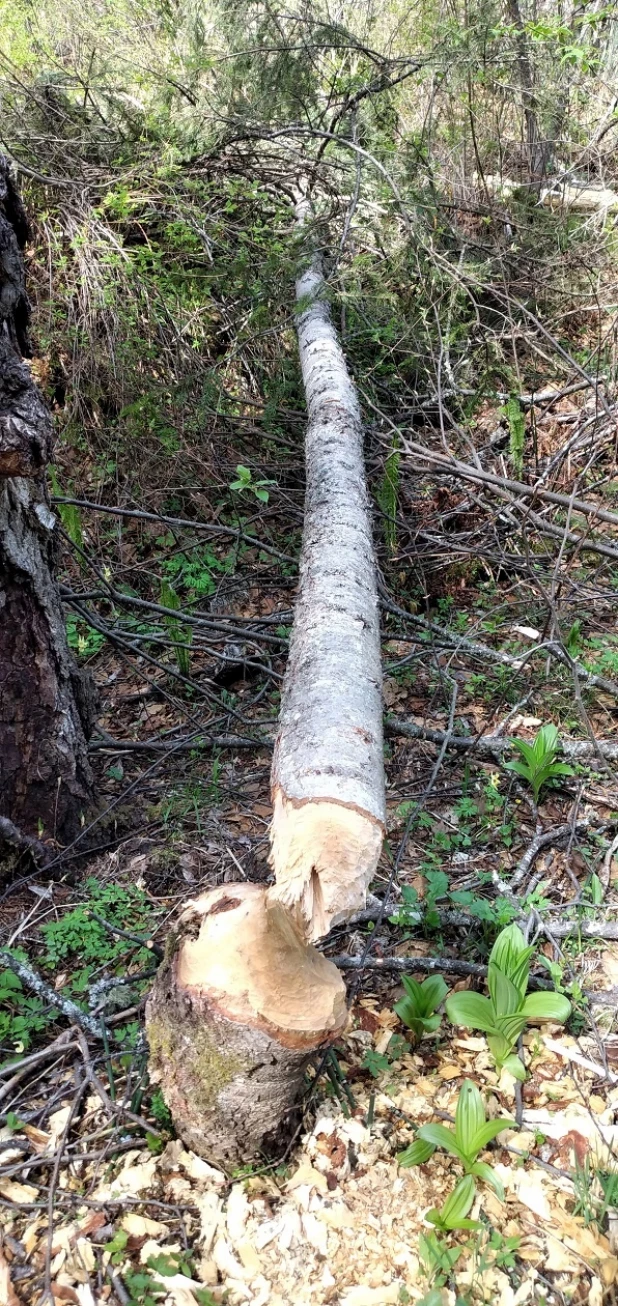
[516, 423]
[471, 1135]
[454, 1214]
[180, 633]
[244, 481]
[387, 494]
[437, 1260]
[538, 760]
[505, 1013]
[503, 1249]
[377, 1062]
[83, 638]
[21, 1016]
[418, 1009]
[160, 1110]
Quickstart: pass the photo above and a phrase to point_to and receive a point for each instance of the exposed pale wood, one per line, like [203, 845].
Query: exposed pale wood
[238, 1009]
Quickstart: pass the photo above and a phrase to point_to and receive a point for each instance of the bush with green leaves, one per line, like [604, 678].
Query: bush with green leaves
[471, 1135]
[504, 1015]
[418, 1009]
[537, 762]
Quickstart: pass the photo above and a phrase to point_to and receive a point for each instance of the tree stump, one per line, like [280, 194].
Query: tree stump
[238, 1008]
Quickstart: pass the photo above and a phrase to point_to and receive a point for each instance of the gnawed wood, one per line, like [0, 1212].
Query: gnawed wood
[244, 1000]
[239, 1007]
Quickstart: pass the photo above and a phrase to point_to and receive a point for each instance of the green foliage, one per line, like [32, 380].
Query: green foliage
[387, 494]
[80, 943]
[517, 432]
[22, 1016]
[244, 481]
[437, 1260]
[538, 762]
[69, 513]
[505, 1013]
[418, 1009]
[83, 638]
[197, 572]
[453, 1215]
[471, 1135]
[117, 1246]
[159, 1110]
[180, 633]
[378, 1062]
[170, 1263]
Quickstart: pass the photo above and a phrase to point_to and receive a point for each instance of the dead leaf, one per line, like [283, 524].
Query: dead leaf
[18, 1193]
[141, 1226]
[8, 1296]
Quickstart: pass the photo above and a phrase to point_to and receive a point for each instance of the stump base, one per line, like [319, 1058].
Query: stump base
[236, 1012]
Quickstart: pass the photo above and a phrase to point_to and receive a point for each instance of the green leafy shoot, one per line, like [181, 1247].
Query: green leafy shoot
[454, 1214]
[180, 633]
[516, 423]
[537, 762]
[505, 1013]
[244, 481]
[387, 495]
[471, 1135]
[437, 1260]
[418, 1009]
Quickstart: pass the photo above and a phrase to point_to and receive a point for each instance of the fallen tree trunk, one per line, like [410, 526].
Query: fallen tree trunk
[243, 1000]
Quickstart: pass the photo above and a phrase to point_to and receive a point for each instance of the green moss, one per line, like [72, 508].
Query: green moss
[210, 1068]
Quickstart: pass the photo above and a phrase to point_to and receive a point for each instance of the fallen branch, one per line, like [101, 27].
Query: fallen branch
[406, 964]
[34, 981]
[467, 471]
[484, 652]
[496, 745]
[206, 527]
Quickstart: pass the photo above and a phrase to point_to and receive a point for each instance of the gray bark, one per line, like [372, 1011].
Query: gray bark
[328, 768]
[329, 745]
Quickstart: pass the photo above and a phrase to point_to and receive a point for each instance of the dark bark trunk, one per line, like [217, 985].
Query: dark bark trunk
[45, 778]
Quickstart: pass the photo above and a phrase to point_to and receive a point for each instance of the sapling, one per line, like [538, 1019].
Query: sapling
[418, 1010]
[471, 1135]
[505, 1013]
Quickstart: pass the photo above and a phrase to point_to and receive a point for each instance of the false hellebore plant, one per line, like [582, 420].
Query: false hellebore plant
[471, 1135]
[418, 1010]
[505, 1013]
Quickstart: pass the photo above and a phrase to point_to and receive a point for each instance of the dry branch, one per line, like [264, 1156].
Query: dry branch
[496, 745]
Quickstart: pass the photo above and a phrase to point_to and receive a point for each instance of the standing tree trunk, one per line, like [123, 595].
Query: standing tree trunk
[45, 779]
[244, 1000]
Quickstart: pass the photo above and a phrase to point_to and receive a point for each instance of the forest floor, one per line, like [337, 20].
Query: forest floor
[102, 1203]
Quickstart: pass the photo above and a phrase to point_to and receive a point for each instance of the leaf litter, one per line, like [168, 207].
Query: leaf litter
[340, 1222]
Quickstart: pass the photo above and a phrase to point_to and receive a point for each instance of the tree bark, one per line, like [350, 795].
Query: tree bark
[45, 778]
[238, 1009]
[243, 1000]
[328, 767]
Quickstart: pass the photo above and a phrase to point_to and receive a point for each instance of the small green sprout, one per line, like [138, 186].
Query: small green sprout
[471, 1135]
[418, 1010]
[538, 760]
[505, 1013]
[244, 481]
[453, 1214]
